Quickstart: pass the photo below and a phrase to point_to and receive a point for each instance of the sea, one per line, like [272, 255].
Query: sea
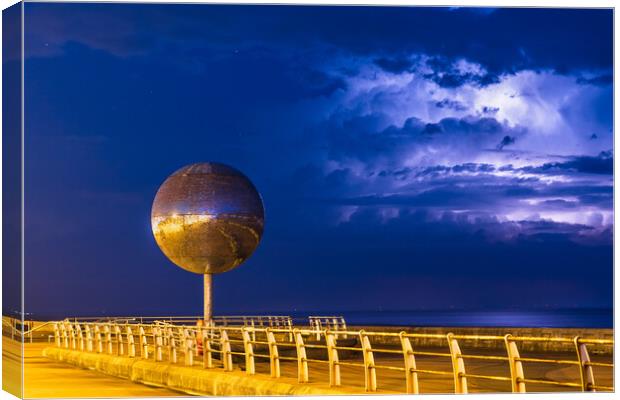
[557, 318]
[542, 318]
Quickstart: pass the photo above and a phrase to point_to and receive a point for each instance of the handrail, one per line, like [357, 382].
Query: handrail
[230, 347]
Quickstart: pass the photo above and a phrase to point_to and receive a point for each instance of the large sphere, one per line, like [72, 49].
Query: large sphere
[207, 218]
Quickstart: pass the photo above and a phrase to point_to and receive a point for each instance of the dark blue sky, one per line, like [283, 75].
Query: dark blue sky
[407, 157]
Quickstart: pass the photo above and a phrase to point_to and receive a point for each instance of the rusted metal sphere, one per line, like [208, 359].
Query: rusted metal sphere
[207, 218]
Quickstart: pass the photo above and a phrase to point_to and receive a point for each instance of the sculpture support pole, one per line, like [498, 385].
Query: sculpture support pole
[208, 310]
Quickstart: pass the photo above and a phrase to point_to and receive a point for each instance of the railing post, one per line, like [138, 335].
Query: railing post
[142, 342]
[80, 337]
[335, 326]
[119, 339]
[317, 323]
[131, 344]
[332, 357]
[302, 360]
[226, 351]
[458, 365]
[274, 357]
[164, 334]
[98, 341]
[516, 366]
[73, 337]
[89, 339]
[56, 334]
[108, 338]
[290, 329]
[411, 376]
[158, 344]
[370, 372]
[207, 357]
[253, 330]
[248, 349]
[192, 335]
[585, 369]
[187, 348]
[172, 346]
[65, 337]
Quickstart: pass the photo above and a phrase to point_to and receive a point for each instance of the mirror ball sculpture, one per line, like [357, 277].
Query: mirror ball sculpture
[207, 218]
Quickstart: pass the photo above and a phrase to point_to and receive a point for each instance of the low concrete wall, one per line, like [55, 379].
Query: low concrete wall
[192, 380]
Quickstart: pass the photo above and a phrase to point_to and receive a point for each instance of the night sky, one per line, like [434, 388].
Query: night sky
[408, 158]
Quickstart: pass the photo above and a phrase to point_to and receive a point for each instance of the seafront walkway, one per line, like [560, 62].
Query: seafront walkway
[46, 378]
[112, 359]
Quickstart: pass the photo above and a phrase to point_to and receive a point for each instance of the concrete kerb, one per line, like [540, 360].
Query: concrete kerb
[209, 382]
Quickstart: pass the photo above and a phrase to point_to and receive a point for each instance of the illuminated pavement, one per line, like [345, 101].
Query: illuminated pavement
[45, 378]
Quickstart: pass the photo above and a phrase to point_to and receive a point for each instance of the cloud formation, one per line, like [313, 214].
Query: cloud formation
[415, 126]
[516, 149]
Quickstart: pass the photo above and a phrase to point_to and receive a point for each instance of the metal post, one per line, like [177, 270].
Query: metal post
[207, 357]
[332, 356]
[172, 347]
[226, 351]
[370, 373]
[458, 365]
[302, 360]
[144, 344]
[250, 367]
[192, 334]
[73, 337]
[131, 345]
[586, 371]
[208, 297]
[187, 348]
[56, 334]
[516, 366]
[317, 324]
[108, 338]
[80, 337]
[98, 340]
[290, 329]
[274, 358]
[158, 344]
[89, 339]
[411, 376]
[65, 337]
[335, 326]
[119, 340]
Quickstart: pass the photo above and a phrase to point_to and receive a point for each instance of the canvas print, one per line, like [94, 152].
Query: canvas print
[250, 200]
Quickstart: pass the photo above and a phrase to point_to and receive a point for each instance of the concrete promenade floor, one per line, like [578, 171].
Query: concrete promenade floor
[46, 378]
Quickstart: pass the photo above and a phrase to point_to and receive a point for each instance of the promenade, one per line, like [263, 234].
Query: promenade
[46, 378]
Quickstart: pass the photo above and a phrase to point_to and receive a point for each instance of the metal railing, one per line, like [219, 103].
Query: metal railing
[226, 347]
[225, 320]
[333, 323]
[24, 330]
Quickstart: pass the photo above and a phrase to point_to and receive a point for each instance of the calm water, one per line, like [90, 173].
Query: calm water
[574, 318]
[565, 318]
